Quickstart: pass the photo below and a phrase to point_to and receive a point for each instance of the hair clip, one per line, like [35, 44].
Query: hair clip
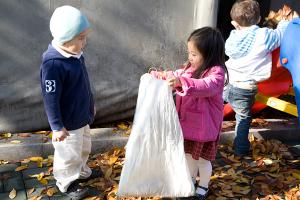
[151, 69]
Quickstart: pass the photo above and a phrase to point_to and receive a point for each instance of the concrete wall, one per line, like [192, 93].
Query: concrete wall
[128, 36]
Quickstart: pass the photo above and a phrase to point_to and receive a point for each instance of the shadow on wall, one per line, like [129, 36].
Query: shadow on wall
[127, 38]
[23, 32]
[139, 37]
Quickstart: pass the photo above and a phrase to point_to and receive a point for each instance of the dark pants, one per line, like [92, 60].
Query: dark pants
[241, 101]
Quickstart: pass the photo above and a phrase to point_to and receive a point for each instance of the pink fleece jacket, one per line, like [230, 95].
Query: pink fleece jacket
[199, 104]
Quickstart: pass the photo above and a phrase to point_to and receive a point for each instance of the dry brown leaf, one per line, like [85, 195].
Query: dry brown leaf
[15, 141]
[227, 193]
[99, 185]
[51, 191]
[36, 197]
[93, 198]
[223, 154]
[112, 194]
[112, 160]
[221, 198]
[20, 168]
[3, 162]
[12, 194]
[241, 190]
[41, 132]
[233, 159]
[268, 161]
[48, 178]
[259, 122]
[43, 181]
[30, 191]
[108, 173]
[25, 161]
[36, 159]
[296, 175]
[122, 126]
[5, 135]
[24, 135]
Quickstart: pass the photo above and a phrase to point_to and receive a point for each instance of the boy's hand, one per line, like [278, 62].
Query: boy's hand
[59, 136]
[295, 15]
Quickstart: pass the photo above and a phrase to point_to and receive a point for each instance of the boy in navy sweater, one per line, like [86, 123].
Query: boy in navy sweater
[68, 99]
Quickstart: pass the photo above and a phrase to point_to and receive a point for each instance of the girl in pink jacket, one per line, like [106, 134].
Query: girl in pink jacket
[199, 87]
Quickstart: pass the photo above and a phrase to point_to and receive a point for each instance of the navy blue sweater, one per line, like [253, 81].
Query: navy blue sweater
[66, 91]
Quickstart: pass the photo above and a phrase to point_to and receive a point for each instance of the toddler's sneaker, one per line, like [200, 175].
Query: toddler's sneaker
[95, 174]
[201, 193]
[77, 192]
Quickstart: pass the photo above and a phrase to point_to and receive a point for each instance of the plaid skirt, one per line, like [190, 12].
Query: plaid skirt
[205, 150]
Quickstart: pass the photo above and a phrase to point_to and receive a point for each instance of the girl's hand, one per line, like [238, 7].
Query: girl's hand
[174, 82]
[59, 136]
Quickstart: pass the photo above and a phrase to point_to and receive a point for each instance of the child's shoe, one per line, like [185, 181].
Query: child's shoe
[201, 193]
[77, 192]
[240, 155]
[95, 174]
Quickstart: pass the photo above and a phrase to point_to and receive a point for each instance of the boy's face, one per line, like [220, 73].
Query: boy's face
[195, 57]
[77, 44]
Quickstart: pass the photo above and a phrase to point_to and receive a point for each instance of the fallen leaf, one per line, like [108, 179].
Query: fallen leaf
[37, 197]
[5, 135]
[43, 181]
[296, 175]
[41, 132]
[25, 161]
[36, 159]
[108, 173]
[15, 141]
[51, 191]
[268, 161]
[122, 126]
[30, 191]
[112, 160]
[221, 198]
[24, 135]
[20, 168]
[12, 194]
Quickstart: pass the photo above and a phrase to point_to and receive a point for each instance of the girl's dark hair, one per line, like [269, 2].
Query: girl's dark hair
[210, 43]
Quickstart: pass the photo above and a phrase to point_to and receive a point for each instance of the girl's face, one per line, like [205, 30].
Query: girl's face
[77, 44]
[195, 57]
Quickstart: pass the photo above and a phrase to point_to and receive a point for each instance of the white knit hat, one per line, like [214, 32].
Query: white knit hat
[67, 22]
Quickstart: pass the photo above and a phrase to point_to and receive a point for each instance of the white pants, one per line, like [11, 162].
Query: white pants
[70, 158]
[202, 166]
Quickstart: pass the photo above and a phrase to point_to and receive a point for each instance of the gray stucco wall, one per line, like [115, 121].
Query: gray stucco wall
[128, 36]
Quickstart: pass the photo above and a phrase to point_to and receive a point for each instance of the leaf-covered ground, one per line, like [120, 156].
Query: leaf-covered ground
[270, 172]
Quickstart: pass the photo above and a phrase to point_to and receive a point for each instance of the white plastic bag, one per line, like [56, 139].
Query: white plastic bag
[155, 163]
